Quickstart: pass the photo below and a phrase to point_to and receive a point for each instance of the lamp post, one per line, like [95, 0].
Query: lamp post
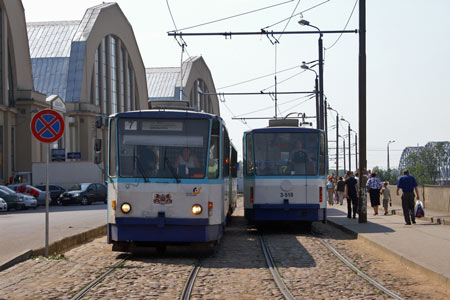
[343, 143]
[305, 66]
[321, 104]
[390, 142]
[356, 149]
[337, 138]
[349, 148]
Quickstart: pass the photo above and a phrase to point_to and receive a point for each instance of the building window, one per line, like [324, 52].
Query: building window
[113, 72]
[13, 149]
[97, 78]
[2, 100]
[2, 153]
[122, 76]
[105, 99]
[130, 104]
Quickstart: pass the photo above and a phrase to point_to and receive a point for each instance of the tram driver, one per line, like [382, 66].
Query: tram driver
[299, 163]
[186, 161]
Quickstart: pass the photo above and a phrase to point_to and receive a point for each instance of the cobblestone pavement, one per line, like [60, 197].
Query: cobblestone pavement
[236, 270]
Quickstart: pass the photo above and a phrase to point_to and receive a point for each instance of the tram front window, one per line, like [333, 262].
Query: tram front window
[284, 154]
[161, 148]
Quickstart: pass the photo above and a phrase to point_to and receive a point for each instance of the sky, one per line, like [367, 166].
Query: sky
[408, 42]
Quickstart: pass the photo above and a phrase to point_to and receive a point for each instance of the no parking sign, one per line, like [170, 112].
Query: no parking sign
[47, 126]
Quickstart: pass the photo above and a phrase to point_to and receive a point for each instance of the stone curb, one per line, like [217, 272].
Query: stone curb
[403, 260]
[58, 246]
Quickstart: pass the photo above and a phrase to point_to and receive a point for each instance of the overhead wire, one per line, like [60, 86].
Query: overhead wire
[289, 20]
[270, 107]
[257, 78]
[233, 16]
[345, 27]
[280, 82]
[297, 14]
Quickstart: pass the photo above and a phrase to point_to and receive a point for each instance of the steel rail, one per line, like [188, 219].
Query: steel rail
[359, 272]
[84, 291]
[275, 274]
[187, 290]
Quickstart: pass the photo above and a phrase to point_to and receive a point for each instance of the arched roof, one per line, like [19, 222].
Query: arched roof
[67, 70]
[20, 57]
[163, 83]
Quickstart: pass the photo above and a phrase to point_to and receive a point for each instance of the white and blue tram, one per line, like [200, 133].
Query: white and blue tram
[284, 173]
[172, 178]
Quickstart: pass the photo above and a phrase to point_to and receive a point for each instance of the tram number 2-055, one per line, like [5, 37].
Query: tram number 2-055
[286, 195]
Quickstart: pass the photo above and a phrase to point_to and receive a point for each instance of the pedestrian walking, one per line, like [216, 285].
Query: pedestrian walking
[330, 190]
[374, 186]
[340, 190]
[387, 200]
[408, 184]
[351, 193]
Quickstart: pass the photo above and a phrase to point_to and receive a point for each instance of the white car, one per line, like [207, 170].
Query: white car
[29, 201]
[3, 205]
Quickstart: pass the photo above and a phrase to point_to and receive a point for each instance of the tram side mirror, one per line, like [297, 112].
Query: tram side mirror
[98, 122]
[98, 145]
[98, 158]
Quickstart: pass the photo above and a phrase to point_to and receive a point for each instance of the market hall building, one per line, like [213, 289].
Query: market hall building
[94, 68]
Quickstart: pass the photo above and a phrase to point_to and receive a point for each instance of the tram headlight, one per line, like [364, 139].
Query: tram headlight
[126, 208]
[196, 209]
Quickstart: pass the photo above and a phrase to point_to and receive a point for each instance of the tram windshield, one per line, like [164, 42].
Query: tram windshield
[162, 148]
[283, 154]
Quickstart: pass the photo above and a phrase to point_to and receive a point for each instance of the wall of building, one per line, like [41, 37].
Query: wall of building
[433, 197]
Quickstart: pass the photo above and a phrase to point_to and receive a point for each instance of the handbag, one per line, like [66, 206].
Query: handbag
[418, 209]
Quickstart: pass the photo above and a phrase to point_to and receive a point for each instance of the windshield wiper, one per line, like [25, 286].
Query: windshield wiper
[141, 168]
[166, 159]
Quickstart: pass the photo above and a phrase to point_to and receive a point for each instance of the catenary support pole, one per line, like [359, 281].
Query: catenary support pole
[362, 202]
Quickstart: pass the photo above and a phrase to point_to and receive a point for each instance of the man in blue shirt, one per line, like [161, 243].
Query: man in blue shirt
[408, 185]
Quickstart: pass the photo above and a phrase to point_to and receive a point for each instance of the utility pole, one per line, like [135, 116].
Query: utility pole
[349, 149]
[362, 203]
[343, 143]
[337, 144]
[356, 150]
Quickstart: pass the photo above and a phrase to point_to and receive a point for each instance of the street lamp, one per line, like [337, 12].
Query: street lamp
[349, 148]
[337, 138]
[356, 148]
[303, 22]
[390, 142]
[305, 66]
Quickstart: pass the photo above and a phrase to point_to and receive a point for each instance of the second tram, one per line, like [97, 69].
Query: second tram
[284, 173]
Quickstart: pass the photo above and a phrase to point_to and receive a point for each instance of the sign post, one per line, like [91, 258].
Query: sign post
[47, 126]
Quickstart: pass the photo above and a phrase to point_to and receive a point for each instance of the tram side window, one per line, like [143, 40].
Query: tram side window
[234, 169]
[249, 168]
[226, 154]
[213, 163]
[322, 155]
[112, 148]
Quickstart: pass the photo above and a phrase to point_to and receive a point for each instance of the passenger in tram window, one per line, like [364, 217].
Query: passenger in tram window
[185, 161]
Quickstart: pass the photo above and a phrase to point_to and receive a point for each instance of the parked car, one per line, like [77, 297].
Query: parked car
[84, 193]
[55, 191]
[12, 199]
[30, 190]
[29, 201]
[3, 205]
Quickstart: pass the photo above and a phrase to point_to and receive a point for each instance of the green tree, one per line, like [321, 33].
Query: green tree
[425, 165]
[386, 175]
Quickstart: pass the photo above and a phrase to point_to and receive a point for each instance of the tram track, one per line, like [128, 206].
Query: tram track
[93, 283]
[284, 289]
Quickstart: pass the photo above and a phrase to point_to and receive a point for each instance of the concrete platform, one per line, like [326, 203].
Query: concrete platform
[424, 246]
